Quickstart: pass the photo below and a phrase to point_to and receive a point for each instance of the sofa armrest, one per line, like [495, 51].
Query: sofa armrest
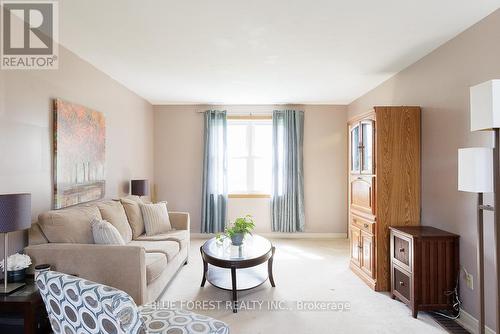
[121, 267]
[179, 220]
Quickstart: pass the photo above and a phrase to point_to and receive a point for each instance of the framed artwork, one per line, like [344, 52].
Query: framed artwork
[79, 154]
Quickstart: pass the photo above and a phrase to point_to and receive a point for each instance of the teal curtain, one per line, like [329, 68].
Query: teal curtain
[287, 203]
[214, 172]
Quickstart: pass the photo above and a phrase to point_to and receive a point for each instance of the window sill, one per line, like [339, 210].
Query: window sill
[249, 196]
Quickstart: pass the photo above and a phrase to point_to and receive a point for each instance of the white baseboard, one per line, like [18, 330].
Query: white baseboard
[470, 323]
[305, 235]
[278, 235]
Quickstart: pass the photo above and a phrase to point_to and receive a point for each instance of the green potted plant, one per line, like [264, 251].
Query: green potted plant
[237, 230]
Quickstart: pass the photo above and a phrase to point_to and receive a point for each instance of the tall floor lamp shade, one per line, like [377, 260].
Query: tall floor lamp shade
[485, 116]
[475, 174]
[485, 106]
[15, 215]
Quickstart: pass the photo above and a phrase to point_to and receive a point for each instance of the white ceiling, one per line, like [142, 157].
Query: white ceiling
[260, 51]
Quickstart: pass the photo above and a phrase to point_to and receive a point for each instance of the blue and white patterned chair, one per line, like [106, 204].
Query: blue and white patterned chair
[75, 305]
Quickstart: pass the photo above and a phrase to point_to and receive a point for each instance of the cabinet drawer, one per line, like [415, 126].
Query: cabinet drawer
[402, 250]
[401, 283]
[363, 224]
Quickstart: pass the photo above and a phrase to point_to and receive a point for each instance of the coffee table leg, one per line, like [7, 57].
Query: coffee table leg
[205, 268]
[270, 268]
[235, 297]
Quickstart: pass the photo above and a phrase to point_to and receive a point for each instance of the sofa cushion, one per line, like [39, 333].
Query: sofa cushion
[71, 225]
[36, 236]
[167, 247]
[155, 218]
[134, 215]
[106, 234]
[180, 236]
[155, 265]
[114, 213]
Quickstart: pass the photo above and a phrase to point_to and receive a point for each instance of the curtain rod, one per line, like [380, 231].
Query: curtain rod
[241, 113]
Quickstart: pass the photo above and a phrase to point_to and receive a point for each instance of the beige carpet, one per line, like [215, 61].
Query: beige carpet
[304, 270]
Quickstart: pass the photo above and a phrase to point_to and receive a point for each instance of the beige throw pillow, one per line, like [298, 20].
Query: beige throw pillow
[134, 215]
[71, 225]
[155, 216]
[114, 213]
[106, 234]
[135, 198]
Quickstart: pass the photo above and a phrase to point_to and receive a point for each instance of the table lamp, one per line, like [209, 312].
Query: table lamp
[139, 187]
[475, 174]
[15, 215]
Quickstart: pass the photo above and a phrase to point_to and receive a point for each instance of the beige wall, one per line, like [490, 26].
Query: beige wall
[440, 84]
[179, 161]
[26, 130]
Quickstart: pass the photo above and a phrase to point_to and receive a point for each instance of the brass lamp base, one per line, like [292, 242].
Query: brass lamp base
[10, 288]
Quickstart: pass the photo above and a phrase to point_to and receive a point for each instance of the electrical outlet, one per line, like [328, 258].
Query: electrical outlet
[469, 280]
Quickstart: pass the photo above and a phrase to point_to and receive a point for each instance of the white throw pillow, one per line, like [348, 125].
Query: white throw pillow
[155, 216]
[106, 234]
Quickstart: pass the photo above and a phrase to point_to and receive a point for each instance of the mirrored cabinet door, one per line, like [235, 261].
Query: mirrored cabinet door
[355, 151]
[367, 147]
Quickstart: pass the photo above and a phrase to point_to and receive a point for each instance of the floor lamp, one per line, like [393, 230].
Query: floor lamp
[485, 116]
[475, 174]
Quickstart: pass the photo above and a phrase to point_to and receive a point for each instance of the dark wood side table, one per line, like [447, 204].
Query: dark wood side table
[424, 267]
[24, 311]
[222, 261]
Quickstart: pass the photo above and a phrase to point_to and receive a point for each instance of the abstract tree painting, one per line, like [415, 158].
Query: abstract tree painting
[79, 154]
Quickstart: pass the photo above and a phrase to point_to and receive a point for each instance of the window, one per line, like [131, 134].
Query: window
[249, 143]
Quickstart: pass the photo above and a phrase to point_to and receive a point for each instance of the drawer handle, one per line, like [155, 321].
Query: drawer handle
[401, 250]
[401, 283]
[365, 225]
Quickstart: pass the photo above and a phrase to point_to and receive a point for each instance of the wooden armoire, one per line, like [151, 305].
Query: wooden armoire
[384, 186]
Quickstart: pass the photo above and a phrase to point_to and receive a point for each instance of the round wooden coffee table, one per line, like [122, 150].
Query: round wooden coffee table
[237, 268]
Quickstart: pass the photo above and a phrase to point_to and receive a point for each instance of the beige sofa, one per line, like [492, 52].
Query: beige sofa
[142, 268]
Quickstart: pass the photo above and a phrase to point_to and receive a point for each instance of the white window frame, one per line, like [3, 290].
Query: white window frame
[250, 158]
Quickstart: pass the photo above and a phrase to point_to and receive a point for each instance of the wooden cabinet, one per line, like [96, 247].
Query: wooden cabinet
[384, 186]
[424, 267]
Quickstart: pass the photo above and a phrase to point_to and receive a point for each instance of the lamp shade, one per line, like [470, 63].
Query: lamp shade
[15, 212]
[485, 106]
[139, 187]
[475, 169]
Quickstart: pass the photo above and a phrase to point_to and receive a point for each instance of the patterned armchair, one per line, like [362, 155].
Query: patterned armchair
[75, 305]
